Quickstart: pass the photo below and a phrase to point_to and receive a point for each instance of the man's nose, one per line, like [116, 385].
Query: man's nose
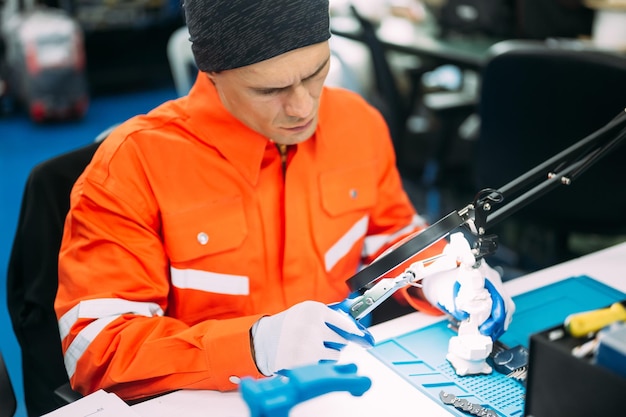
[299, 103]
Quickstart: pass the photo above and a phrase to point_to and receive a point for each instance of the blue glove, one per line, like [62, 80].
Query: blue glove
[442, 289]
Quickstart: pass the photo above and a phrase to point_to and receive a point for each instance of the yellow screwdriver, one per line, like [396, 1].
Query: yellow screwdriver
[581, 324]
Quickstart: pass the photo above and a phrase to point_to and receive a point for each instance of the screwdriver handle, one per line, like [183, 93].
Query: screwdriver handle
[581, 324]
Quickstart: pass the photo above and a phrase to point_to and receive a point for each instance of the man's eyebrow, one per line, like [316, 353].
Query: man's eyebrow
[318, 70]
[314, 74]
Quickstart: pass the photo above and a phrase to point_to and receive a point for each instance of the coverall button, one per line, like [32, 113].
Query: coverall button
[234, 379]
[203, 238]
[353, 193]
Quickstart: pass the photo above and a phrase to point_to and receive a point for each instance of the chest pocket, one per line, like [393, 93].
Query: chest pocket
[210, 229]
[348, 190]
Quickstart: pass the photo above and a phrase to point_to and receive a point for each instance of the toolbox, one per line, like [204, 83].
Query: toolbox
[561, 384]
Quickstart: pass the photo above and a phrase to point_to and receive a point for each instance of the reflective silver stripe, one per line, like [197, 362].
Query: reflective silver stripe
[345, 243]
[374, 243]
[82, 341]
[210, 281]
[105, 307]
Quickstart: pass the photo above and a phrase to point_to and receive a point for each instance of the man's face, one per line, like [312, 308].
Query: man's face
[279, 97]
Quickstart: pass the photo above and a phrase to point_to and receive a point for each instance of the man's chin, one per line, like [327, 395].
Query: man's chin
[292, 138]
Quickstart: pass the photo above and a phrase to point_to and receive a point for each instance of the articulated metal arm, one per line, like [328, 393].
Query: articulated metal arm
[489, 207]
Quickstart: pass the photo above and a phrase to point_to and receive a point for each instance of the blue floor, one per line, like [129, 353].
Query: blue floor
[23, 144]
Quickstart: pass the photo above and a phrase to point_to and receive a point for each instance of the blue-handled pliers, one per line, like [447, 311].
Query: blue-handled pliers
[360, 303]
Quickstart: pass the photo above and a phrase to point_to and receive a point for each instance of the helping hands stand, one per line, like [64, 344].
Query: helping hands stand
[489, 207]
[468, 351]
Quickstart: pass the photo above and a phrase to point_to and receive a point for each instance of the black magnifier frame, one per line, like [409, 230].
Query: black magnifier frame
[491, 206]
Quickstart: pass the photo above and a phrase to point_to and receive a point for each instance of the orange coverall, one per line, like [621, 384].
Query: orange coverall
[187, 227]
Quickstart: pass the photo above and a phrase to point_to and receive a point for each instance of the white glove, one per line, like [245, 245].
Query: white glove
[307, 333]
[441, 290]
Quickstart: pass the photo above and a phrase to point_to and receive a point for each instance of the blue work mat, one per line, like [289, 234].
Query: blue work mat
[420, 356]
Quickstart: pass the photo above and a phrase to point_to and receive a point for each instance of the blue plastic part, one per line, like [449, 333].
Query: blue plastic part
[344, 306]
[612, 350]
[276, 396]
[366, 341]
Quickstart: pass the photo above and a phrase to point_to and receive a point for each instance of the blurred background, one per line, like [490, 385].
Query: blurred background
[437, 70]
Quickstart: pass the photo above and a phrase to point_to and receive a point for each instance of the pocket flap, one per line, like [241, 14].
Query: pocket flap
[206, 230]
[348, 189]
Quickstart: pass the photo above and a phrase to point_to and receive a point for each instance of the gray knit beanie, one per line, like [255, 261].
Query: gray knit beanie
[229, 34]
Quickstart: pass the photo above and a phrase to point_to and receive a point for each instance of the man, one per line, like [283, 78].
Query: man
[205, 238]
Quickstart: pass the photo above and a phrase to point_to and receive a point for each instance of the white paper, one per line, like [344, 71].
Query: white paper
[98, 404]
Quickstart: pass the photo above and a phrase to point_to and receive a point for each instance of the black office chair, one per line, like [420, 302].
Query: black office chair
[537, 99]
[8, 402]
[32, 279]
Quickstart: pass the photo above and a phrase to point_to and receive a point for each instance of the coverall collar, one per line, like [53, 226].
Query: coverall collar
[216, 126]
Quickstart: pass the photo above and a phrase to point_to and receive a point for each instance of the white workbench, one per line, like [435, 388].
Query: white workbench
[390, 395]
